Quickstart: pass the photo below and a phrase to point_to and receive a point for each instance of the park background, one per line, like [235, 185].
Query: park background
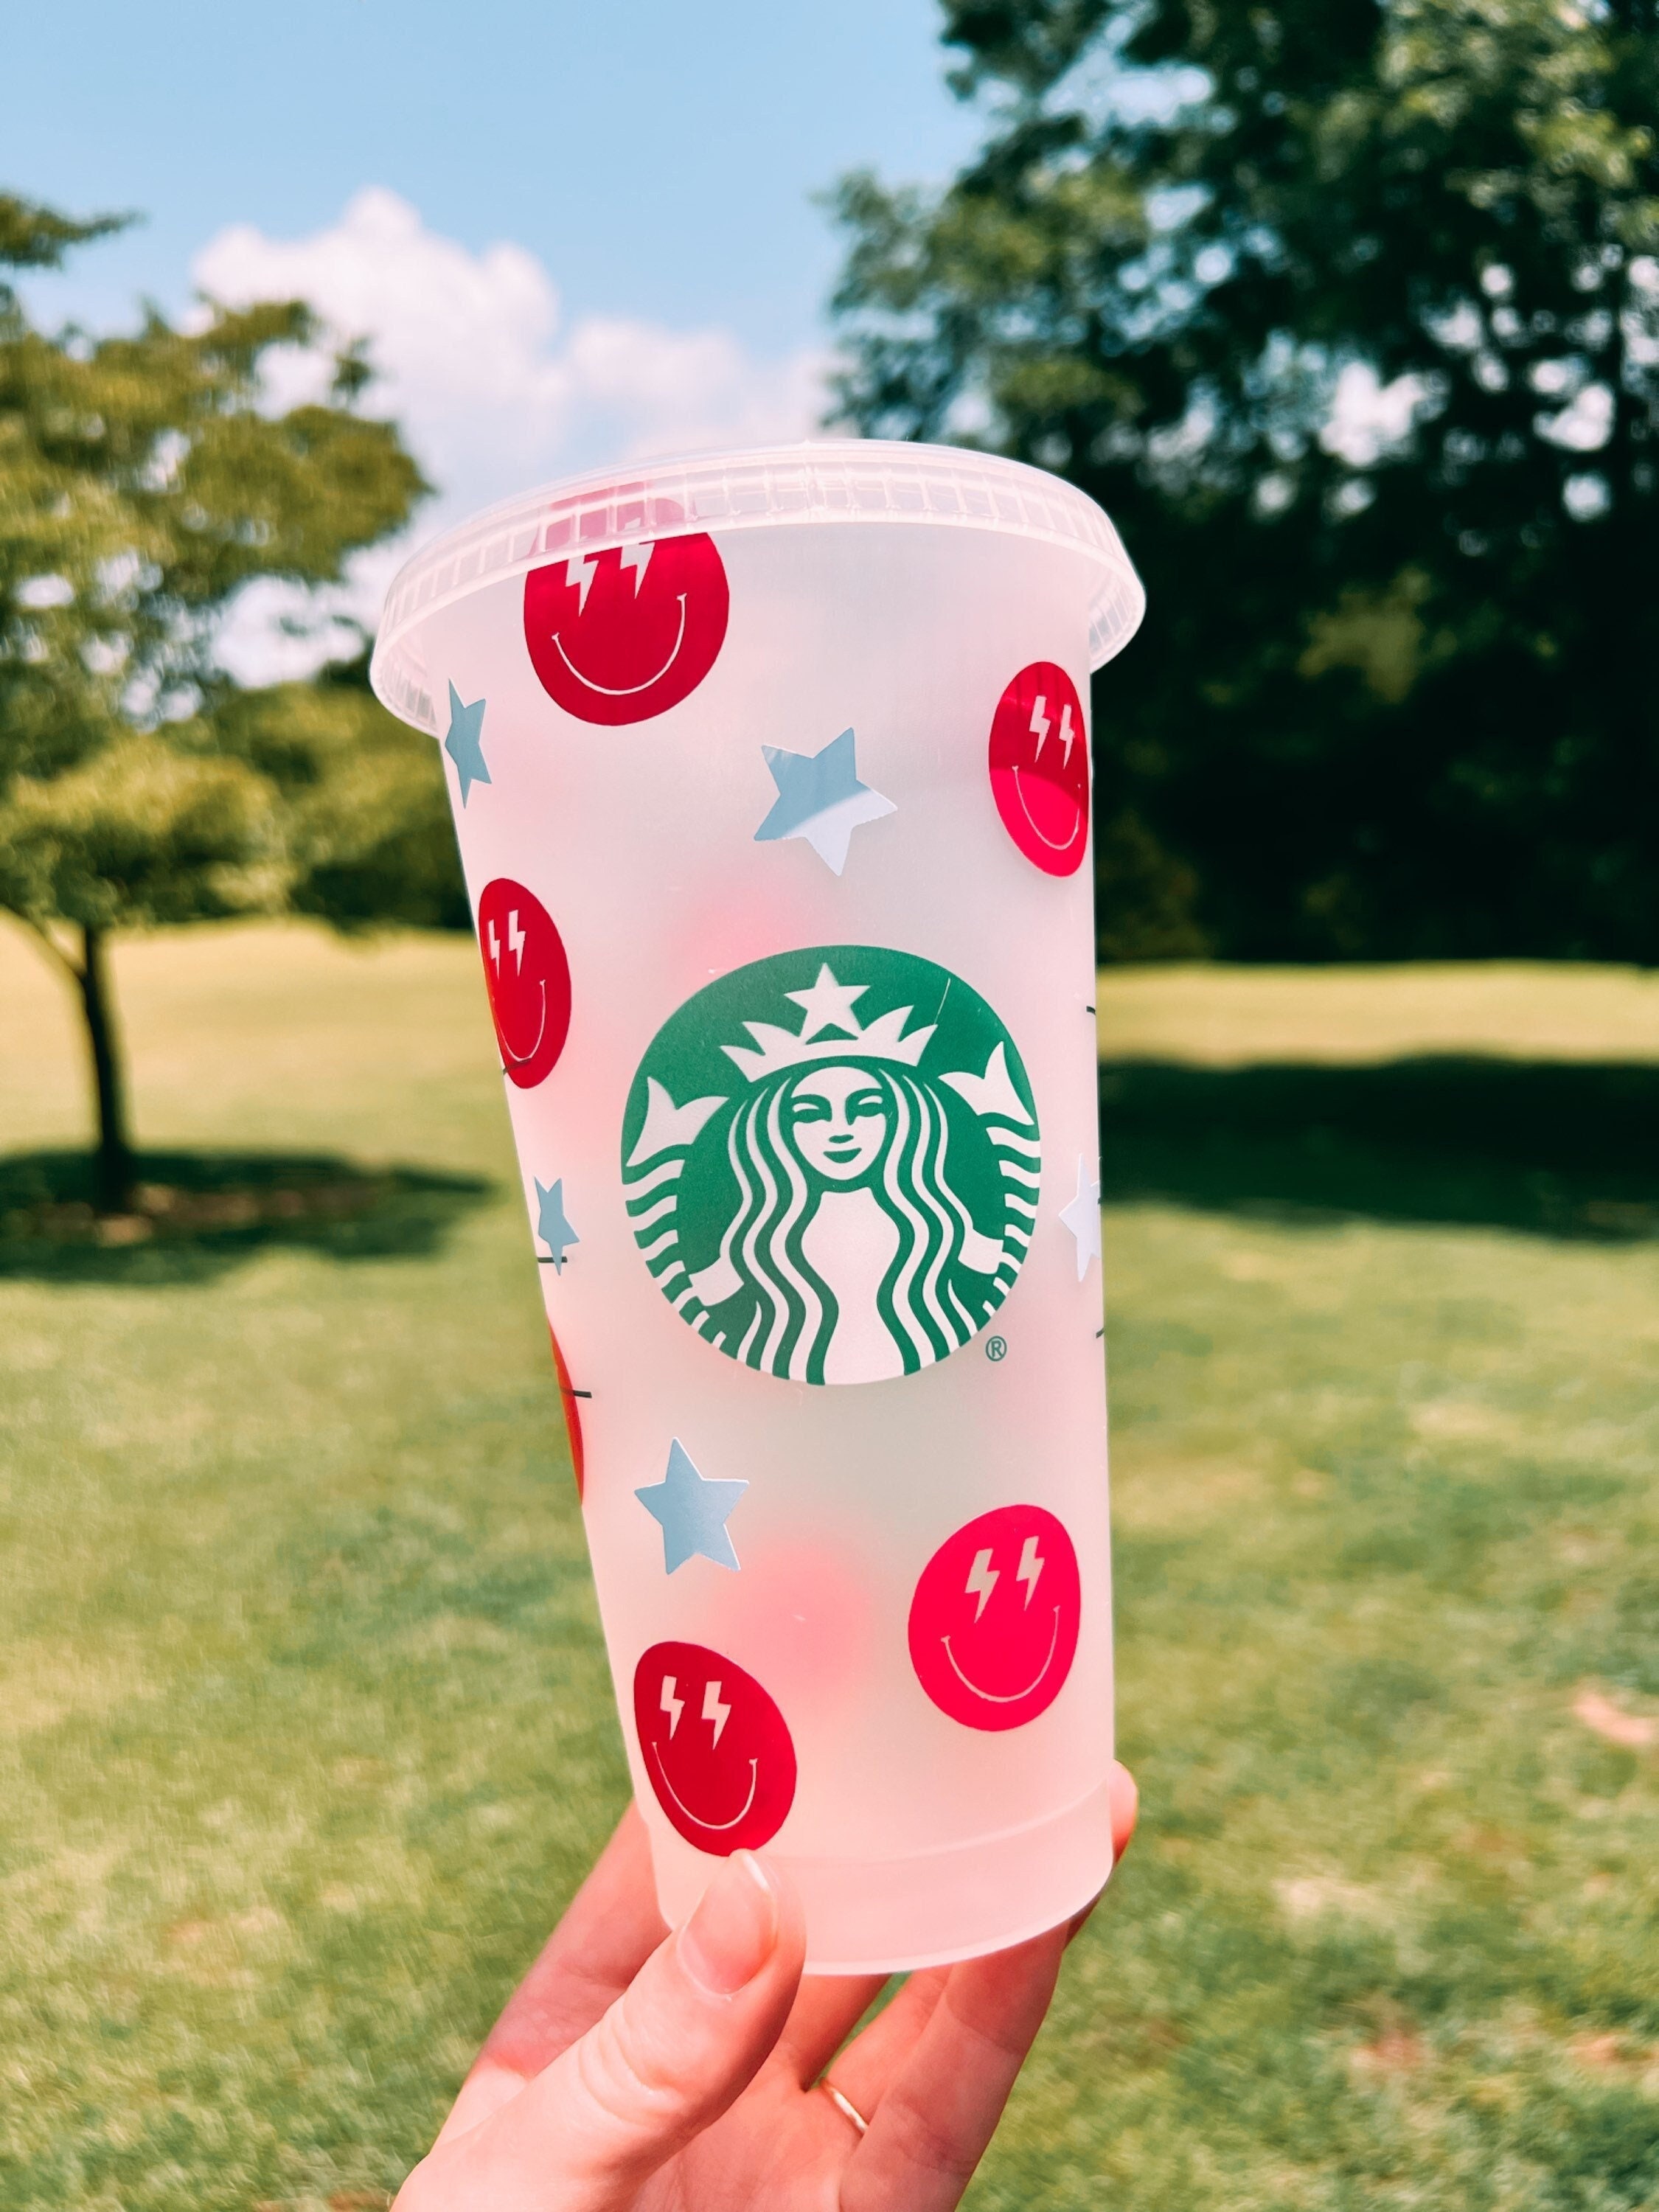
[1346, 312]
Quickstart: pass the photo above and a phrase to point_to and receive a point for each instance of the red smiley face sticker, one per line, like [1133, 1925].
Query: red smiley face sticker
[624, 635]
[716, 1748]
[573, 1417]
[528, 978]
[1040, 768]
[994, 1621]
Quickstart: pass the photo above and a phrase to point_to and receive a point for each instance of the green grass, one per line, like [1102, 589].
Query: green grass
[305, 1730]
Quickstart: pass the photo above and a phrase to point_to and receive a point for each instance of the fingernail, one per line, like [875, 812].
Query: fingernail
[734, 1930]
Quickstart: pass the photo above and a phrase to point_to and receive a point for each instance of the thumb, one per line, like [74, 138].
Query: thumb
[671, 2053]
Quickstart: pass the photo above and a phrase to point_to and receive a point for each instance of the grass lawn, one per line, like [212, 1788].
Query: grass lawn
[305, 1731]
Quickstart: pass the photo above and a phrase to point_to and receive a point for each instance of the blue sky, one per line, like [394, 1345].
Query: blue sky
[657, 156]
[570, 234]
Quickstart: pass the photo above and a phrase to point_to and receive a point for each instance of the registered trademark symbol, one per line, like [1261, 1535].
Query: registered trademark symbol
[996, 1347]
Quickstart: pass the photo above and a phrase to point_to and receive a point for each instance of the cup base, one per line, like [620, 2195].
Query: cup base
[892, 1915]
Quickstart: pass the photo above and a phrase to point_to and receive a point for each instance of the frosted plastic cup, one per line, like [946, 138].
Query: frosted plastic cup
[771, 775]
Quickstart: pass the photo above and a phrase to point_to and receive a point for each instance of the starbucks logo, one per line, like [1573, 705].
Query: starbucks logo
[831, 1164]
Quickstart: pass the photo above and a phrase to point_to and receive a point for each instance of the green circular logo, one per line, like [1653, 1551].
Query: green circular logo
[831, 1161]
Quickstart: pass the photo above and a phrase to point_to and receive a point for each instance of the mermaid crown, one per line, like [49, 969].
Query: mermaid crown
[829, 1004]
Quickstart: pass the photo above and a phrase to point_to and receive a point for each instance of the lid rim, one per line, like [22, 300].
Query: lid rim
[816, 480]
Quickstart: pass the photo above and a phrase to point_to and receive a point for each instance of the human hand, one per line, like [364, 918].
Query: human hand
[639, 2071]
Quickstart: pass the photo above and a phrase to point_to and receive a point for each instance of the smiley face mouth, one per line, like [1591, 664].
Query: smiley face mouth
[626, 690]
[1011, 1696]
[517, 1057]
[1055, 844]
[714, 1827]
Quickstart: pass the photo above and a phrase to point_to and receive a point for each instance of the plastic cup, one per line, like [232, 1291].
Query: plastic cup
[771, 778]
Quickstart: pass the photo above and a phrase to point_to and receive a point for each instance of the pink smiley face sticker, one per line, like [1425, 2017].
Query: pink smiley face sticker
[624, 635]
[994, 1621]
[1039, 766]
[528, 978]
[716, 1748]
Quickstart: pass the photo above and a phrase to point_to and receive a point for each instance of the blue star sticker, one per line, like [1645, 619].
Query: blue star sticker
[693, 1512]
[464, 743]
[820, 798]
[551, 1226]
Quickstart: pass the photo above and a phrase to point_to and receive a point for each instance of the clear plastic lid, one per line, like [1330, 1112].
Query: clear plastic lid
[863, 480]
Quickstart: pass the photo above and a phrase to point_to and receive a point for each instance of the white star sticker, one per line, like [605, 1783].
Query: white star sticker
[829, 1005]
[1081, 1215]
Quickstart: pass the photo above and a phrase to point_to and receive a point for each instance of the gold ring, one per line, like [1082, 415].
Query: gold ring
[845, 2107]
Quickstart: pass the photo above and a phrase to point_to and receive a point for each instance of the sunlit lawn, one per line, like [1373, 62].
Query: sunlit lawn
[305, 1732]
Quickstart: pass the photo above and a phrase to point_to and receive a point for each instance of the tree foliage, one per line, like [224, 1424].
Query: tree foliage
[143, 483]
[367, 837]
[1348, 312]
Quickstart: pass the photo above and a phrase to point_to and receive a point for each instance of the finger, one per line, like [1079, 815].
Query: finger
[1126, 1809]
[1125, 1800]
[929, 2131]
[870, 2064]
[866, 2068]
[610, 1928]
[666, 2059]
[828, 2009]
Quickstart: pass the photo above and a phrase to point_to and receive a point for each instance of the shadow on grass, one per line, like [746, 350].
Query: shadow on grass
[1555, 1148]
[195, 1215]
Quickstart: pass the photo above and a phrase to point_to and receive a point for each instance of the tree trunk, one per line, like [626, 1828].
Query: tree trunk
[113, 1164]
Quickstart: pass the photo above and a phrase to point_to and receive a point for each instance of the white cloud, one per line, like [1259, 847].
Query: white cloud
[493, 393]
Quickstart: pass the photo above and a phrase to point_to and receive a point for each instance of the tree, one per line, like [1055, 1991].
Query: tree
[143, 484]
[368, 834]
[1348, 311]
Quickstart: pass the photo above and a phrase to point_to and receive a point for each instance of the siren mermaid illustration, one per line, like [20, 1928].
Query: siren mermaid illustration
[849, 1216]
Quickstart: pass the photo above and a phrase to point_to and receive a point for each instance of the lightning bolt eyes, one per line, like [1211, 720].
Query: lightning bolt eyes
[579, 572]
[1042, 722]
[638, 558]
[582, 570]
[983, 1579]
[713, 1709]
[515, 940]
[494, 946]
[1040, 725]
[671, 1705]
